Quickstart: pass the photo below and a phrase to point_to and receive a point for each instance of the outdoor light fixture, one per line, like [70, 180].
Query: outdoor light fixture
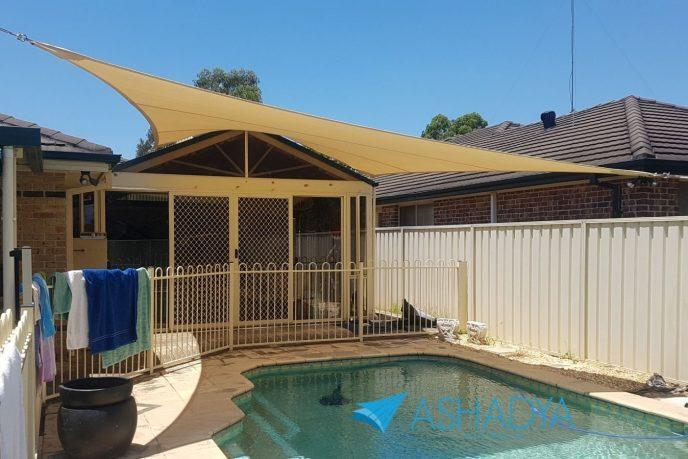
[641, 181]
[86, 179]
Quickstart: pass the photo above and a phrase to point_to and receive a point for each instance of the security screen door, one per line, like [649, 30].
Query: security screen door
[201, 243]
[263, 254]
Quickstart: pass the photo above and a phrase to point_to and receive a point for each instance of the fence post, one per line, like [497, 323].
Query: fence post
[359, 300]
[584, 284]
[233, 284]
[150, 361]
[403, 263]
[462, 292]
[472, 264]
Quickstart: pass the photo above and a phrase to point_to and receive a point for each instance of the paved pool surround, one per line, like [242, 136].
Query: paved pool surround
[181, 409]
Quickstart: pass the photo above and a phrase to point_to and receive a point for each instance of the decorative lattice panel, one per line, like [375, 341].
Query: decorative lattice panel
[201, 230]
[264, 246]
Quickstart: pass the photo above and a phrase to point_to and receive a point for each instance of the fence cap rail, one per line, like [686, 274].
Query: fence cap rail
[307, 268]
[592, 221]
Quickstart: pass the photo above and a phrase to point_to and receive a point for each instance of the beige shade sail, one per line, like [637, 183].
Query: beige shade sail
[177, 111]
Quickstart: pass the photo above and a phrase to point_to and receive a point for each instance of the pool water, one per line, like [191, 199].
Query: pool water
[503, 415]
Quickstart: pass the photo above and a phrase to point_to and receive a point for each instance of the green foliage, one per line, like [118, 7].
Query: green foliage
[145, 145]
[240, 83]
[441, 127]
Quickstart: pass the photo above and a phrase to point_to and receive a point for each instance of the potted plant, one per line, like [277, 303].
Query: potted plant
[97, 418]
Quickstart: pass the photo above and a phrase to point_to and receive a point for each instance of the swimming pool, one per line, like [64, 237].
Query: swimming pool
[433, 407]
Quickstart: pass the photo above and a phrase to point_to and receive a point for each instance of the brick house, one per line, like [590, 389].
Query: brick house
[631, 133]
[41, 198]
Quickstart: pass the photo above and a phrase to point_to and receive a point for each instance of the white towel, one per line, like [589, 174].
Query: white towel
[13, 440]
[36, 298]
[77, 324]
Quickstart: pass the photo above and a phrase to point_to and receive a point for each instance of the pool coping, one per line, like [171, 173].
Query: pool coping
[626, 399]
[233, 371]
[206, 403]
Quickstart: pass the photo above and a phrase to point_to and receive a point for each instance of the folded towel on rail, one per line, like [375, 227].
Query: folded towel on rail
[48, 368]
[45, 331]
[112, 295]
[143, 309]
[62, 295]
[46, 321]
[77, 325]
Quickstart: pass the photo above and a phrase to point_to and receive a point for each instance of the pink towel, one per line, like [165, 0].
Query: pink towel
[48, 367]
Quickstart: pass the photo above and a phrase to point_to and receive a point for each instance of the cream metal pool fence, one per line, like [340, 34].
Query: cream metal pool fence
[199, 310]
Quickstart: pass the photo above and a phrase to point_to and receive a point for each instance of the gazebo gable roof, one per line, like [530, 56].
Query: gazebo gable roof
[222, 154]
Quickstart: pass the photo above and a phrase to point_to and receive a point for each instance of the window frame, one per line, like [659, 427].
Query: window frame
[99, 230]
[415, 214]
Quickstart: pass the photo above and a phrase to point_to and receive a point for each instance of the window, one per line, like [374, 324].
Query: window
[89, 223]
[418, 215]
[87, 214]
[76, 215]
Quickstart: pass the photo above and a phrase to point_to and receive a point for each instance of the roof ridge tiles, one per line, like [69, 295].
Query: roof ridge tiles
[641, 147]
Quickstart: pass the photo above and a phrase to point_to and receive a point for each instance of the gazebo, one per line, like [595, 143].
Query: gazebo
[232, 218]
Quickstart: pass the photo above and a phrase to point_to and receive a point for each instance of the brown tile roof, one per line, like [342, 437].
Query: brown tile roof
[616, 132]
[56, 141]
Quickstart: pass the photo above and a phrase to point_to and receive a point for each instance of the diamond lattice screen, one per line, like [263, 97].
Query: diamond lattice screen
[201, 237]
[201, 230]
[264, 239]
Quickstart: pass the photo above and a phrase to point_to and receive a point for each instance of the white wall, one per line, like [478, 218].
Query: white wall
[615, 290]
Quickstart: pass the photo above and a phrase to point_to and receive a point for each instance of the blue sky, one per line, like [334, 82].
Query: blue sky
[390, 65]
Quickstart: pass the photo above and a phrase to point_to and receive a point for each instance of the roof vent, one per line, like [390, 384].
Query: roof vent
[549, 119]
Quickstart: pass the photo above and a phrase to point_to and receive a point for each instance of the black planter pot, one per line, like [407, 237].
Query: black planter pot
[97, 418]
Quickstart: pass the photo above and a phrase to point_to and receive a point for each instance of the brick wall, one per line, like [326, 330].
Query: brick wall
[469, 210]
[387, 216]
[557, 203]
[651, 201]
[567, 202]
[41, 208]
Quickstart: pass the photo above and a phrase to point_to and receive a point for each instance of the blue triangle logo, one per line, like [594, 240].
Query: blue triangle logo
[379, 413]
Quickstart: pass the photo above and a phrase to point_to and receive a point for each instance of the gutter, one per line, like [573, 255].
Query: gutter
[644, 165]
[81, 156]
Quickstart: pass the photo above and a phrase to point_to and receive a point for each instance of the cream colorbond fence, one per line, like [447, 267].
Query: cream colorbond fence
[614, 291]
[22, 336]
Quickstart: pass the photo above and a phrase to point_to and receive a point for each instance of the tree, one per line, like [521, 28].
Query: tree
[440, 127]
[145, 145]
[240, 83]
